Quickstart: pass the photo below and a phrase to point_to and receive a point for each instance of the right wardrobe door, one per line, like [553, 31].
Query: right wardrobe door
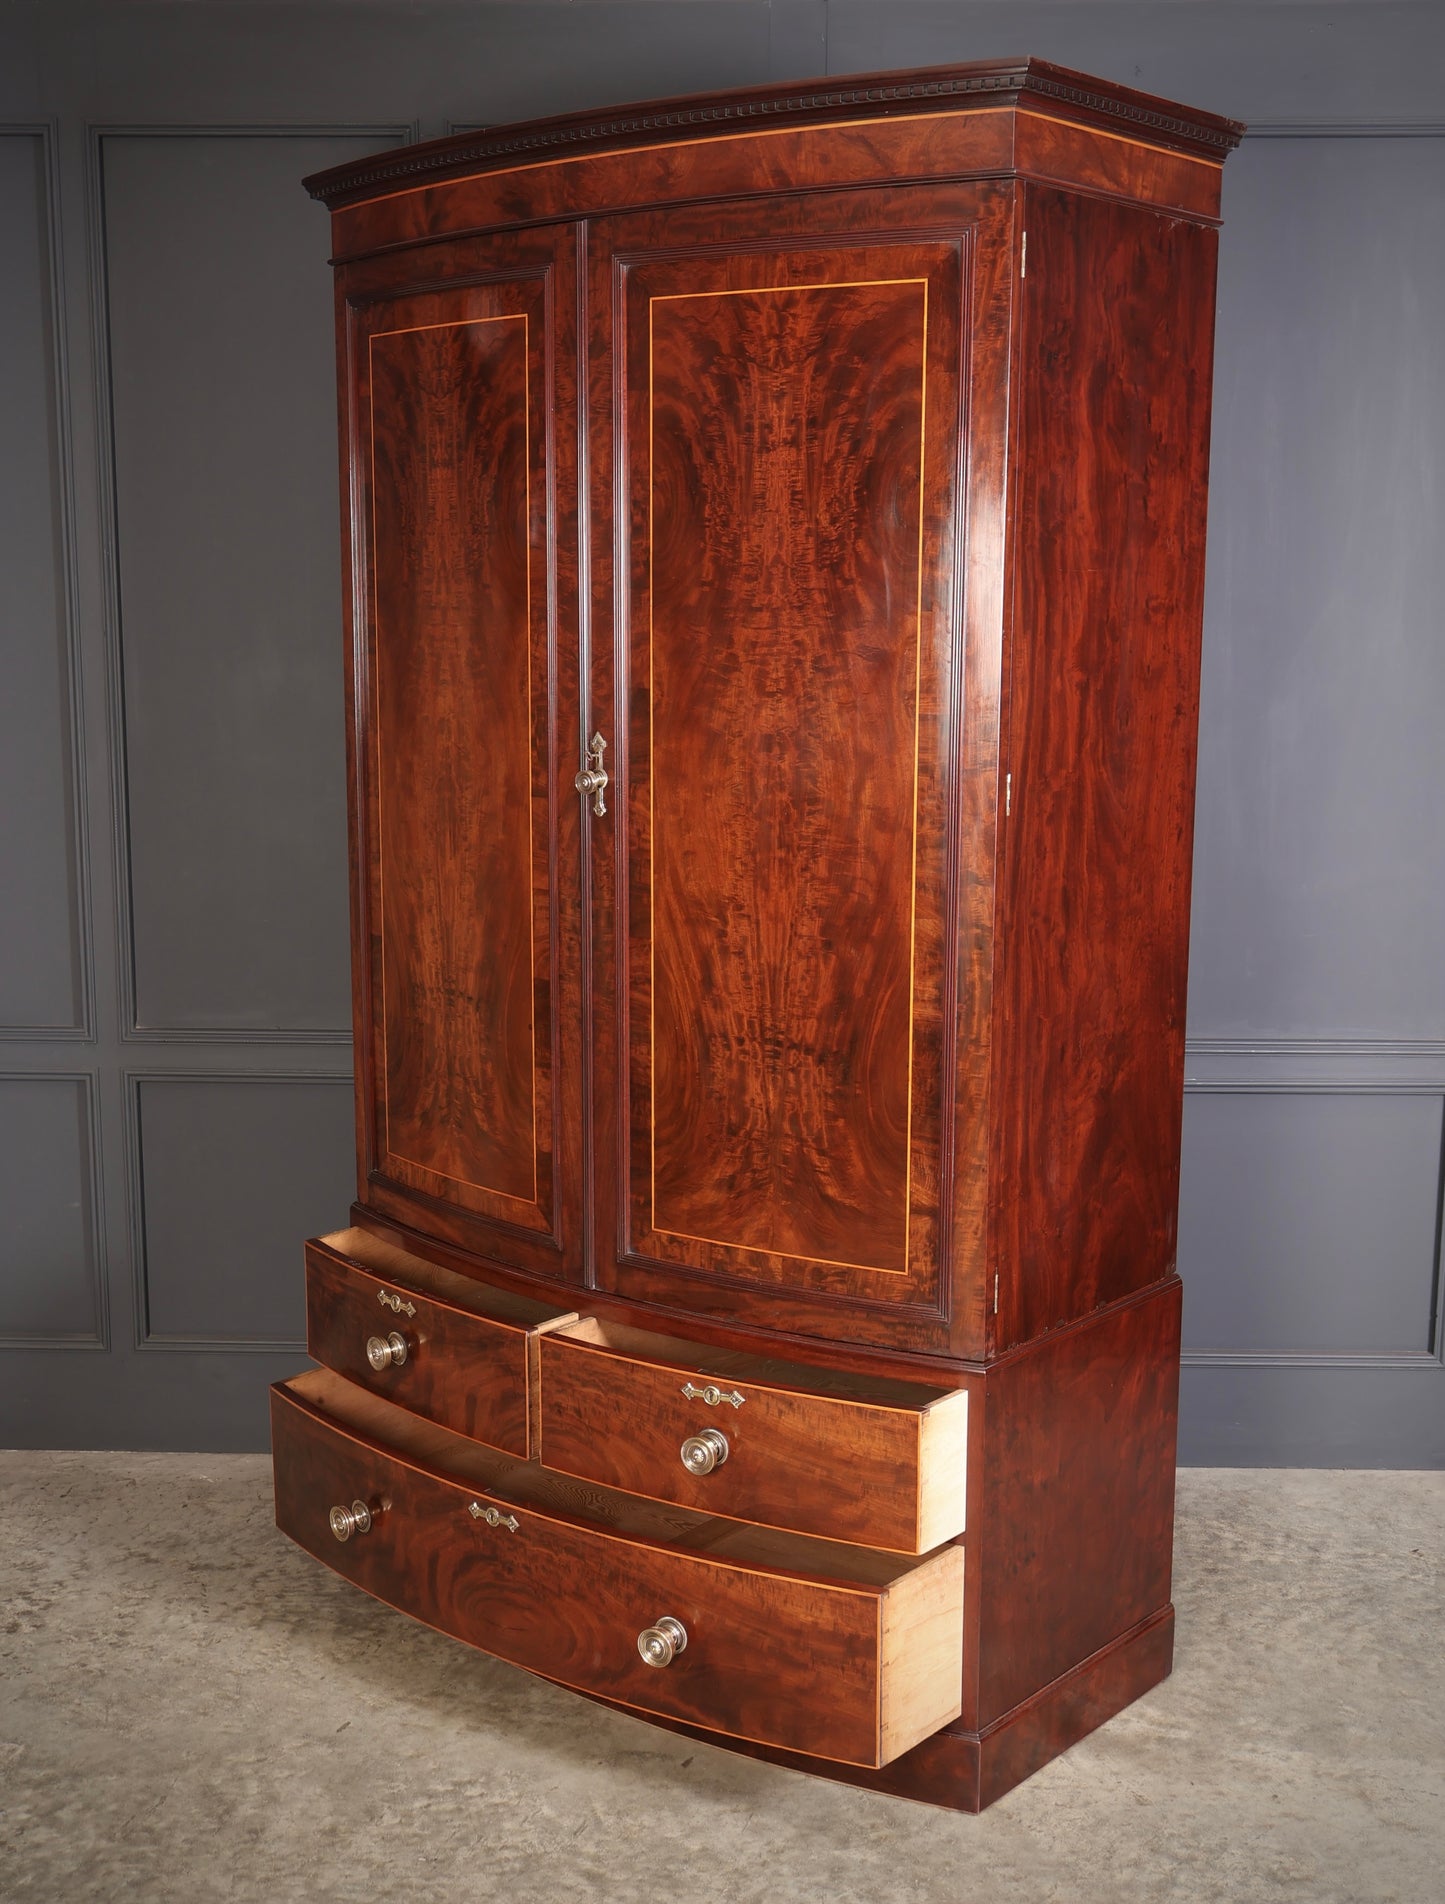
[786, 424]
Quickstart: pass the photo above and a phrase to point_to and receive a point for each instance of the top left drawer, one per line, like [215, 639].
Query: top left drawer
[457, 1351]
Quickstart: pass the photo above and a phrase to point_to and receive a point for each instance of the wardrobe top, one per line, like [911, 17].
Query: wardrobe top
[979, 85]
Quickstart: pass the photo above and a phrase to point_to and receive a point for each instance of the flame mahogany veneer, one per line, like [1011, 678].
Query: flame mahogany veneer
[836, 454]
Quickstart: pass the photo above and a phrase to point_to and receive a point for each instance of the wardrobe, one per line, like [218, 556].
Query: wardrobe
[774, 534]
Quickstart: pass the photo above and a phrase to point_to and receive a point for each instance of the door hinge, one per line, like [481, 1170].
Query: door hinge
[995, 1292]
[1024, 256]
[1008, 794]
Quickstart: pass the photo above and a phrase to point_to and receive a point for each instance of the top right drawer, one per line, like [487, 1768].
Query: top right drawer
[852, 1458]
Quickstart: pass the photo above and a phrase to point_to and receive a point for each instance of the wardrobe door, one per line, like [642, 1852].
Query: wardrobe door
[776, 924]
[460, 411]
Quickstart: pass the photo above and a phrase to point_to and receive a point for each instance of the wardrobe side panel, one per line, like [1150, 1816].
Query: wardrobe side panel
[1108, 517]
[1077, 1466]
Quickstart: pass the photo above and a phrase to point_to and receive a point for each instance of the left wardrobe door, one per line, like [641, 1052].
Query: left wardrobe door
[459, 420]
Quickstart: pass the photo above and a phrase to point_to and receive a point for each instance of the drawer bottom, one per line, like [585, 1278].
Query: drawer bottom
[775, 1640]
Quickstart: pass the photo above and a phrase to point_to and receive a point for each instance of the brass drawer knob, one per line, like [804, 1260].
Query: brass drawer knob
[386, 1353]
[660, 1645]
[704, 1451]
[346, 1521]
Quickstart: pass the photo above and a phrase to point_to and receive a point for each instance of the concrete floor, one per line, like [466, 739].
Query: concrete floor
[190, 1709]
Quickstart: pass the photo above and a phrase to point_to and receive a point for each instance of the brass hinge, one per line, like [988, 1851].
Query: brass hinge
[1024, 257]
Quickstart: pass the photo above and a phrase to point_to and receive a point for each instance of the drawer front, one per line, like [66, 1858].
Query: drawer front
[858, 1673]
[883, 1476]
[466, 1371]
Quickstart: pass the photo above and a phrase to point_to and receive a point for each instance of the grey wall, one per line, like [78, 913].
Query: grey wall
[174, 1112]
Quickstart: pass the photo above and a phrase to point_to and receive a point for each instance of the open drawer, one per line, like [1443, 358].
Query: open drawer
[820, 1451]
[457, 1351]
[835, 1651]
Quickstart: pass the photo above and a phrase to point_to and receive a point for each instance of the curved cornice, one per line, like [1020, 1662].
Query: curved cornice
[854, 96]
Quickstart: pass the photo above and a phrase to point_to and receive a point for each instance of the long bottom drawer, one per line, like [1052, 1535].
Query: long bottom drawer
[836, 1651]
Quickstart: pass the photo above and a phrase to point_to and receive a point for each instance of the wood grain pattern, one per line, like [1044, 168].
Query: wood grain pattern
[1075, 1477]
[458, 391]
[919, 1637]
[931, 147]
[451, 548]
[947, 92]
[1048, 148]
[507, 1589]
[883, 1464]
[882, 554]
[965, 1771]
[469, 1347]
[1069, 1551]
[783, 872]
[784, 513]
[1115, 350]
[712, 1331]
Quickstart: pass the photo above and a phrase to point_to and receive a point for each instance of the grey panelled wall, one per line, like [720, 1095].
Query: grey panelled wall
[1320, 910]
[221, 367]
[188, 1133]
[1310, 1202]
[48, 1201]
[174, 1114]
[43, 970]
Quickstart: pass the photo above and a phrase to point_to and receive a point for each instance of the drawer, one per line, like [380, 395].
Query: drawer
[821, 1451]
[836, 1651]
[468, 1351]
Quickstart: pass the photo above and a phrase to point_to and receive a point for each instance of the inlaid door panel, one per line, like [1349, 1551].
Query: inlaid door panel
[464, 421]
[786, 422]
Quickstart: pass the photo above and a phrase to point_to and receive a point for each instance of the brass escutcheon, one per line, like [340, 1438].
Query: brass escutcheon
[593, 777]
[712, 1395]
[493, 1516]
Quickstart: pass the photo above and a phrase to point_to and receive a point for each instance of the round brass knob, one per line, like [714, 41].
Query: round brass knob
[387, 1353]
[704, 1451]
[346, 1521]
[660, 1645]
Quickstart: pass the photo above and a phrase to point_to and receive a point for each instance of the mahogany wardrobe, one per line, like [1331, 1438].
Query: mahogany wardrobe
[774, 536]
